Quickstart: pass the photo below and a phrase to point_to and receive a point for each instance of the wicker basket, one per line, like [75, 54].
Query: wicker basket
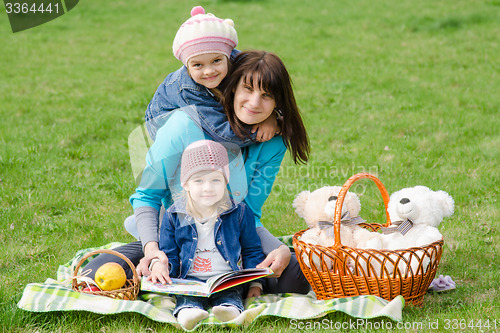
[344, 271]
[128, 292]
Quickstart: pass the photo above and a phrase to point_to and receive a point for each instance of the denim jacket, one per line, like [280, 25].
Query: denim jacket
[179, 90]
[235, 238]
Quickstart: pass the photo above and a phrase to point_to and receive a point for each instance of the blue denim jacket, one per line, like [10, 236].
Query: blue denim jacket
[179, 90]
[235, 238]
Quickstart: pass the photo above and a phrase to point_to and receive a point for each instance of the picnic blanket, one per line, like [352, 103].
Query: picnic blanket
[57, 295]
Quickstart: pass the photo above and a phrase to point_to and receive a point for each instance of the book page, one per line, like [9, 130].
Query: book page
[213, 284]
[178, 286]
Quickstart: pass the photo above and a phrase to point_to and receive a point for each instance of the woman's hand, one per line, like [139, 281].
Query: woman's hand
[254, 291]
[151, 251]
[278, 259]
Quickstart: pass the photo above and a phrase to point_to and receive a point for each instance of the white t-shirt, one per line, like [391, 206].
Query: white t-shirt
[207, 261]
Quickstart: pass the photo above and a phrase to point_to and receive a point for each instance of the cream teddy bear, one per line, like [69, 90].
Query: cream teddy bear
[317, 209]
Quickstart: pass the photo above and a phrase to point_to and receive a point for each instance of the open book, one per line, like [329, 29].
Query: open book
[205, 289]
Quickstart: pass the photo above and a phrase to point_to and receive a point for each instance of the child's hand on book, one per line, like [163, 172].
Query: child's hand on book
[159, 273]
[151, 251]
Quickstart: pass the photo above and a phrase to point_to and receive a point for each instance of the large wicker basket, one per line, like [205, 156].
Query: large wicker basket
[344, 271]
[128, 292]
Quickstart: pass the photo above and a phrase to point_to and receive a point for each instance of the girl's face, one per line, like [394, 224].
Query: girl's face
[252, 105]
[208, 69]
[206, 188]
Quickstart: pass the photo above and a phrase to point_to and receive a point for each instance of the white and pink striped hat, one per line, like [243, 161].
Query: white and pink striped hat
[204, 33]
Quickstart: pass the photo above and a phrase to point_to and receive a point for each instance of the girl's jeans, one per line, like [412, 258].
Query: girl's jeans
[228, 297]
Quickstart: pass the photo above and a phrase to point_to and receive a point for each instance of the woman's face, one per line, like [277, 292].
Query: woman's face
[252, 105]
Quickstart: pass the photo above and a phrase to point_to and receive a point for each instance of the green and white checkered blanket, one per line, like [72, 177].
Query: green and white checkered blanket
[57, 295]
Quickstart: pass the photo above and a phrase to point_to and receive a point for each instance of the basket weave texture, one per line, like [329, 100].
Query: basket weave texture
[341, 271]
[128, 292]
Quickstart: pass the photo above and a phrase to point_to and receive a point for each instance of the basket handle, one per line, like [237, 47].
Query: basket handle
[93, 253]
[341, 197]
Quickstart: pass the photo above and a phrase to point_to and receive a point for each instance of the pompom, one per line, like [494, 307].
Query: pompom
[197, 10]
[229, 22]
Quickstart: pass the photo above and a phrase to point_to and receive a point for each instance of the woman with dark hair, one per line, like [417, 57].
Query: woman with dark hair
[267, 72]
[257, 87]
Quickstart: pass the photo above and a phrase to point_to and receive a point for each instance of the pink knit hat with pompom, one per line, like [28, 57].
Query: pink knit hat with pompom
[204, 155]
[204, 33]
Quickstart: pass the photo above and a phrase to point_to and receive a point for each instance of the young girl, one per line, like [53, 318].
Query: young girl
[205, 45]
[205, 233]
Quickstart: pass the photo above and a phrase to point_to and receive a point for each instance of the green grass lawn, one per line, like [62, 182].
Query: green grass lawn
[407, 90]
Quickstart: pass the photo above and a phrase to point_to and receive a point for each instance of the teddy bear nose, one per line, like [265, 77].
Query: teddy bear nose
[333, 197]
[404, 201]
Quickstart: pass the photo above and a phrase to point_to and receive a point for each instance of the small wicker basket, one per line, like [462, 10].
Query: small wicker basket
[344, 271]
[128, 292]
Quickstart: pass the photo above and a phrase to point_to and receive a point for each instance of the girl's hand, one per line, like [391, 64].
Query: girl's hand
[278, 259]
[159, 273]
[151, 251]
[266, 129]
[254, 291]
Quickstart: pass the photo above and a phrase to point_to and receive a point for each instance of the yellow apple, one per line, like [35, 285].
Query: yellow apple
[110, 276]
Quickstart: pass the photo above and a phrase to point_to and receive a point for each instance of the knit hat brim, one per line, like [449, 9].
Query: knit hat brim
[206, 45]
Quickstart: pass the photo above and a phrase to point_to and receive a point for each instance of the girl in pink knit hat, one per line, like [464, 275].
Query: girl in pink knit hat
[205, 233]
[205, 45]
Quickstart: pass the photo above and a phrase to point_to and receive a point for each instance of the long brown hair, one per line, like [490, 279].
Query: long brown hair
[274, 79]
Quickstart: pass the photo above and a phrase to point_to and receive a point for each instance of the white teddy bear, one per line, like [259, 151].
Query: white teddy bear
[415, 213]
[317, 209]
[425, 209]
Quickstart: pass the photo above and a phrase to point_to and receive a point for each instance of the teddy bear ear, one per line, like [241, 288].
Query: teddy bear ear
[446, 202]
[300, 202]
